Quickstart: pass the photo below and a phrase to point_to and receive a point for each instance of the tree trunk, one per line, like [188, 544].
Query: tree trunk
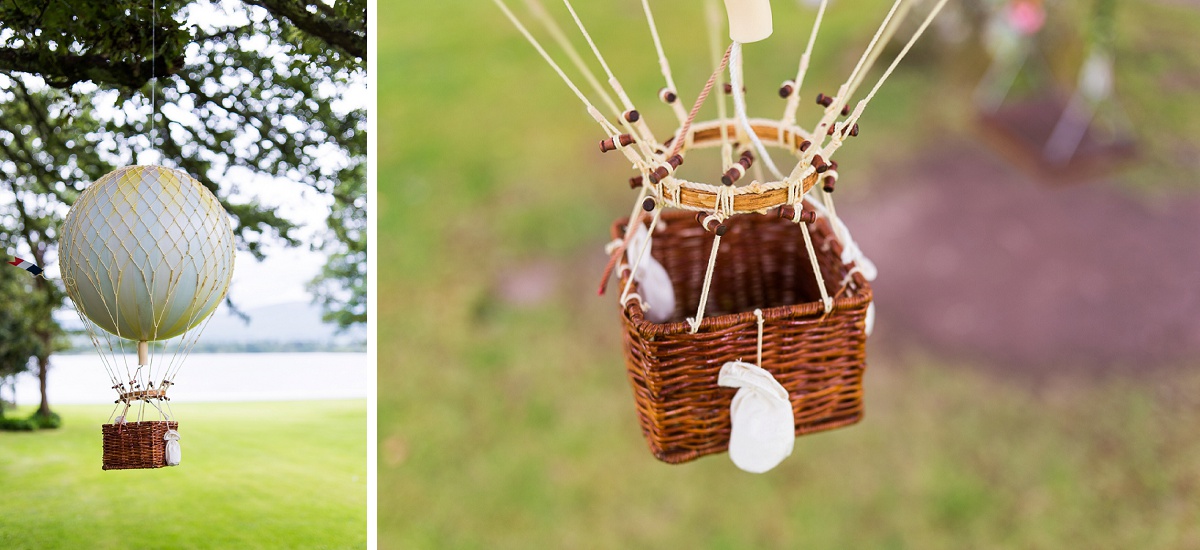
[43, 372]
[44, 333]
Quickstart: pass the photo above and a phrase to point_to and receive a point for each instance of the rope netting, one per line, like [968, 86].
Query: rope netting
[146, 255]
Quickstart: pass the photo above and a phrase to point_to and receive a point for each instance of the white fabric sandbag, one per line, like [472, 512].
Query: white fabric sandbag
[173, 453]
[654, 285]
[764, 429]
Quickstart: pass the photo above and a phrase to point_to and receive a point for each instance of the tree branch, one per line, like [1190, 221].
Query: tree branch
[64, 70]
[337, 33]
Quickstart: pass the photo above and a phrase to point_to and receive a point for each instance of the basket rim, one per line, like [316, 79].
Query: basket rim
[754, 197]
[861, 295]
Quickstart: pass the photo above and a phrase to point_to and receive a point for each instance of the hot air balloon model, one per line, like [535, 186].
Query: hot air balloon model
[791, 289]
[146, 255]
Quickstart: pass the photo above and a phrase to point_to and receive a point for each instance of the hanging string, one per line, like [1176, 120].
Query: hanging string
[758, 313]
[712, 262]
[642, 129]
[154, 74]
[816, 267]
[708, 86]
[714, 43]
[608, 127]
[838, 138]
[637, 262]
[835, 108]
[793, 102]
[663, 64]
[739, 108]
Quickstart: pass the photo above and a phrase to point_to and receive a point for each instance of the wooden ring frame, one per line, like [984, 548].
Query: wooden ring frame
[755, 197]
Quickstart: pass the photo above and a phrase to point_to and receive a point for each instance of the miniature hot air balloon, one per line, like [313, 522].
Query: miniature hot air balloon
[146, 255]
[791, 288]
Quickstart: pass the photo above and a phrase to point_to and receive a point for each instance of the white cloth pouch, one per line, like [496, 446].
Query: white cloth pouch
[764, 428]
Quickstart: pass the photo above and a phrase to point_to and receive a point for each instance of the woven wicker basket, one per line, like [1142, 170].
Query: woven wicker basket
[763, 263]
[136, 445]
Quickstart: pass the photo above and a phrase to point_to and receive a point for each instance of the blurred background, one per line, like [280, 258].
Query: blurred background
[1032, 377]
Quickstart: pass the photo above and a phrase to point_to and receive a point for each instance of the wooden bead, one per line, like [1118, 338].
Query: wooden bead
[632, 115]
[709, 224]
[829, 183]
[820, 164]
[788, 212]
[804, 145]
[635, 182]
[733, 174]
[824, 100]
[729, 89]
[667, 95]
[721, 229]
[787, 88]
[845, 109]
[649, 204]
[607, 145]
[854, 130]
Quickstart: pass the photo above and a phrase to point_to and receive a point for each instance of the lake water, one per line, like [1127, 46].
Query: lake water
[78, 379]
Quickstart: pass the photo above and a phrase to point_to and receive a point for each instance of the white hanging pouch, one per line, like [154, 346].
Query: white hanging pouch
[654, 285]
[173, 454]
[764, 428]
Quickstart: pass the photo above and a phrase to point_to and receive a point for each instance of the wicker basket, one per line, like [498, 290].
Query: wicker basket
[136, 445]
[763, 263]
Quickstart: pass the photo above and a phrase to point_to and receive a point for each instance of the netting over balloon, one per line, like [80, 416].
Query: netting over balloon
[147, 254]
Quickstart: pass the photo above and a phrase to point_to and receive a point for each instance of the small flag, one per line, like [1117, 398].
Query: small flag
[27, 266]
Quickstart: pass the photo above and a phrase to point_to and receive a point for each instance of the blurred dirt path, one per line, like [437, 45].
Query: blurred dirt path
[979, 262]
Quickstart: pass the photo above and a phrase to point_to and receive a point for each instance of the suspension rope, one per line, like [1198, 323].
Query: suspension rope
[663, 64]
[793, 101]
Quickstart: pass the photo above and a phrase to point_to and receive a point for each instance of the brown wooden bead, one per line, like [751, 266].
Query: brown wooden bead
[787, 89]
[635, 182]
[649, 204]
[721, 229]
[829, 183]
[824, 100]
[820, 164]
[854, 129]
[804, 145]
[607, 145]
[788, 212]
[845, 109]
[733, 174]
[632, 115]
[667, 95]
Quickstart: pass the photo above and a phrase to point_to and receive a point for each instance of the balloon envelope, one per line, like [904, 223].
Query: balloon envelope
[146, 252]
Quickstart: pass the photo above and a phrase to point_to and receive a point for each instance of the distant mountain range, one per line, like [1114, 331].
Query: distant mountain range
[292, 326]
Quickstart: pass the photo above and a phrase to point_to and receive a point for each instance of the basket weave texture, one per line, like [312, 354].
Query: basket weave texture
[136, 445]
[763, 263]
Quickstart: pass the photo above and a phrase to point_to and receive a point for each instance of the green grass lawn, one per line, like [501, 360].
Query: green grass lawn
[510, 424]
[254, 475]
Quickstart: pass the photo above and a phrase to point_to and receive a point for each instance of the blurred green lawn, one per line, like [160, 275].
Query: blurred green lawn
[508, 423]
[254, 475]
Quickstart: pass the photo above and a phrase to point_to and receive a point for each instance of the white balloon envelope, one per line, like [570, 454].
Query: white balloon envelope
[146, 253]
